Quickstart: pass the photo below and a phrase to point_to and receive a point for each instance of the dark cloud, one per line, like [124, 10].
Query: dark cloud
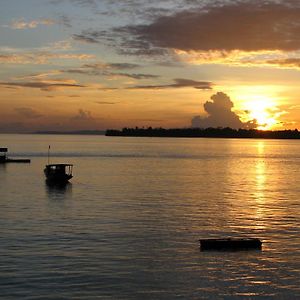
[92, 72]
[139, 9]
[107, 69]
[83, 3]
[65, 21]
[108, 89]
[45, 86]
[131, 46]
[88, 3]
[115, 38]
[28, 112]
[90, 36]
[106, 102]
[83, 71]
[136, 76]
[179, 83]
[14, 127]
[83, 115]
[285, 63]
[115, 66]
[236, 25]
[220, 114]
[100, 67]
[148, 120]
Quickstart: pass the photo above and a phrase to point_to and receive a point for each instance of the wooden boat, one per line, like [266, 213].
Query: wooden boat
[58, 173]
[4, 159]
[230, 244]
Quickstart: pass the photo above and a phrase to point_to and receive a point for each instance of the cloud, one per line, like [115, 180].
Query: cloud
[28, 112]
[101, 68]
[22, 24]
[179, 83]
[133, 76]
[111, 66]
[42, 85]
[38, 76]
[108, 69]
[83, 115]
[220, 114]
[240, 25]
[247, 33]
[65, 21]
[293, 63]
[83, 3]
[106, 102]
[115, 39]
[139, 10]
[7, 127]
[90, 36]
[274, 59]
[39, 57]
[59, 46]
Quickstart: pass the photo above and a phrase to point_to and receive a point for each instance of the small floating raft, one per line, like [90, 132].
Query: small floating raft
[231, 244]
[4, 159]
[17, 160]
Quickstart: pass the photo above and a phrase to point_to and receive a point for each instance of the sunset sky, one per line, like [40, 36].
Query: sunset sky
[98, 64]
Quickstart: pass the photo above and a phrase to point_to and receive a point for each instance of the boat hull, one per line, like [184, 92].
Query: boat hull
[58, 178]
[231, 244]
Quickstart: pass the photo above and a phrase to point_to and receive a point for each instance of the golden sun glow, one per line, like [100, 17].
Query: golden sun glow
[263, 110]
[262, 104]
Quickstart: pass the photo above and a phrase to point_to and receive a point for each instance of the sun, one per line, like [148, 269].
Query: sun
[263, 111]
[262, 103]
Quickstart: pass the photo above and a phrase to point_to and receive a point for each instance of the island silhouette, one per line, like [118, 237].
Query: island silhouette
[210, 132]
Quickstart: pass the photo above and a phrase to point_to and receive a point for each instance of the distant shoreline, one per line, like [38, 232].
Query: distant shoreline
[74, 132]
[205, 133]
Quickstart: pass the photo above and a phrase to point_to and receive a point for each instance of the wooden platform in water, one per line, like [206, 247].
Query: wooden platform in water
[231, 244]
[4, 159]
[15, 160]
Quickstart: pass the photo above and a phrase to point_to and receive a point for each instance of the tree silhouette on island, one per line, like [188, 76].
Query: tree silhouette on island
[226, 132]
[220, 122]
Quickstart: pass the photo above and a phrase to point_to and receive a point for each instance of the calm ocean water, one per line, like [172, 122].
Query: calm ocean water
[128, 224]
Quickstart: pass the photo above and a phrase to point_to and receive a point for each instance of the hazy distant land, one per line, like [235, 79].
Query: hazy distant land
[79, 132]
[205, 133]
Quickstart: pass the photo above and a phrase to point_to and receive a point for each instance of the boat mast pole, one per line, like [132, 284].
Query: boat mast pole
[48, 154]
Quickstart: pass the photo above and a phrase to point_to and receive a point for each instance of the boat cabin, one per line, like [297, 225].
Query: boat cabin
[59, 172]
[60, 169]
[3, 154]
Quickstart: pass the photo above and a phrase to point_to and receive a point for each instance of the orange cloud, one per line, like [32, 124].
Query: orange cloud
[22, 24]
[39, 57]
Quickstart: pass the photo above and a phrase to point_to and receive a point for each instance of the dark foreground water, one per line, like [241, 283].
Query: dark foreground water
[128, 225]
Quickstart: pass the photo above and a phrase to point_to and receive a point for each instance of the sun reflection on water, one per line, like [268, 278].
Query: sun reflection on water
[260, 185]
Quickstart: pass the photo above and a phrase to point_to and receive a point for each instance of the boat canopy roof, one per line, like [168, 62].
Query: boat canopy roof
[58, 165]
